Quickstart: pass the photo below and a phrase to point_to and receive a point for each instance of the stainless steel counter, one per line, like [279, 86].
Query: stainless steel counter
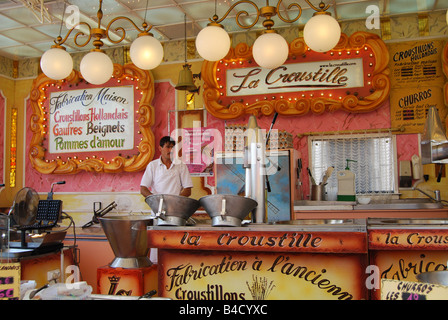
[321, 225]
[391, 204]
[393, 223]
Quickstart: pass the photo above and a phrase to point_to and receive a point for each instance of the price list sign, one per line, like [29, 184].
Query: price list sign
[409, 107]
[408, 290]
[9, 281]
[417, 82]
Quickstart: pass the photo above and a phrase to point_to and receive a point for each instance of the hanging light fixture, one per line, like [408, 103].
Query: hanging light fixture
[96, 67]
[185, 81]
[213, 42]
[270, 50]
[57, 63]
[146, 52]
[322, 32]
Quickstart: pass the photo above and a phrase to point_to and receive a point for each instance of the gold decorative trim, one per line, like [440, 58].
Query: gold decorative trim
[386, 33]
[379, 83]
[73, 164]
[380, 130]
[423, 25]
[445, 71]
[13, 149]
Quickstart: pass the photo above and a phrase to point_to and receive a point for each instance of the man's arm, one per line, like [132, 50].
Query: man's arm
[186, 192]
[145, 191]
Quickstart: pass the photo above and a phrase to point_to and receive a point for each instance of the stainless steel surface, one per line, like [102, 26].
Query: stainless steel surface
[402, 221]
[255, 152]
[130, 263]
[4, 231]
[436, 196]
[227, 209]
[128, 239]
[317, 192]
[434, 143]
[316, 225]
[172, 209]
[323, 205]
[15, 253]
[390, 204]
[405, 205]
[410, 224]
[324, 225]
[316, 222]
[434, 277]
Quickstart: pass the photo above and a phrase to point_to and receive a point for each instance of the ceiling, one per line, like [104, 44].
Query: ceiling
[28, 27]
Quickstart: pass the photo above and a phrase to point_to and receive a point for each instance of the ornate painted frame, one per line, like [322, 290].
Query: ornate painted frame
[74, 163]
[300, 104]
[445, 71]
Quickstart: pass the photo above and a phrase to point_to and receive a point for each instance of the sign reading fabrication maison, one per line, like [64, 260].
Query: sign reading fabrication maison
[91, 119]
[322, 75]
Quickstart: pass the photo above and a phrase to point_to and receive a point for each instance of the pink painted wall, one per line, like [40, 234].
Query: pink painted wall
[407, 144]
[2, 138]
[164, 101]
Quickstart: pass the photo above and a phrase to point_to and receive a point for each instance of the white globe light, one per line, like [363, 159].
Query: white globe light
[96, 67]
[146, 52]
[270, 50]
[322, 33]
[56, 63]
[213, 43]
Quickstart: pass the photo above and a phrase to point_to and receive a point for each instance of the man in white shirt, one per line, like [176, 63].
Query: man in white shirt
[163, 176]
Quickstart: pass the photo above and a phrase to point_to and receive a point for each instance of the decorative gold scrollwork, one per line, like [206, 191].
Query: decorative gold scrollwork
[378, 92]
[73, 164]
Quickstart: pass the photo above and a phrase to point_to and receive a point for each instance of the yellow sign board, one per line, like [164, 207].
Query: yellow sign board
[407, 290]
[9, 281]
[260, 276]
[417, 81]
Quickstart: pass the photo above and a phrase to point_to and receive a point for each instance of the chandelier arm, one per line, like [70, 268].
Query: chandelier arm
[242, 12]
[320, 9]
[289, 8]
[145, 28]
[60, 41]
[80, 33]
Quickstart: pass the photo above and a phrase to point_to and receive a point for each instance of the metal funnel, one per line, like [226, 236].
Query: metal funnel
[227, 209]
[128, 239]
[172, 210]
[434, 142]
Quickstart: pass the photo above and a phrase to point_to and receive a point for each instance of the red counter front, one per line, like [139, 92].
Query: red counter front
[261, 262]
[403, 248]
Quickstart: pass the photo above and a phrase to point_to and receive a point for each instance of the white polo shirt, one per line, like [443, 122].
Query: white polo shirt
[160, 179]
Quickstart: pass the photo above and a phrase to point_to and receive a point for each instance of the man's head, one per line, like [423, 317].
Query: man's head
[166, 146]
[165, 140]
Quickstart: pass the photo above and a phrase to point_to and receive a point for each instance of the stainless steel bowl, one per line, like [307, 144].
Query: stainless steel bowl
[172, 210]
[128, 239]
[227, 210]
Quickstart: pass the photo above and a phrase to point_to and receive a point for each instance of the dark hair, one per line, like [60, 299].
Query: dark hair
[165, 140]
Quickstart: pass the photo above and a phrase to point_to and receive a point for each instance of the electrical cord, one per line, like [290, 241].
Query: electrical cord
[76, 252]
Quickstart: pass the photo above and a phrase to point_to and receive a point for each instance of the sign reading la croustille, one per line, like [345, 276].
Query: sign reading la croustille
[318, 75]
[91, 119]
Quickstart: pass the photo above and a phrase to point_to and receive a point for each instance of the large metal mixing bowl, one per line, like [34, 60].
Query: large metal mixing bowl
[226, 209]
[172, 210]
[434, 277]
[128, 238]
